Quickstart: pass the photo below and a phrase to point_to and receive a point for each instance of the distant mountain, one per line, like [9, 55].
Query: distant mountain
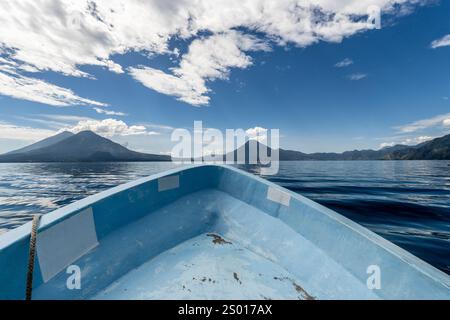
[437, 149]
[246, 148]
[359, 154]
[44, 143]
[88, 146]
[83, 146]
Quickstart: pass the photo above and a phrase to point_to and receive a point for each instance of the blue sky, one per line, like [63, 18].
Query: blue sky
[393, 85]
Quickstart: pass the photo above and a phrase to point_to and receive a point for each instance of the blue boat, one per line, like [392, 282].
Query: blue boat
[208, 232]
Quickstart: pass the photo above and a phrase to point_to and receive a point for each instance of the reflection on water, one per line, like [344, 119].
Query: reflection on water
[407, 202]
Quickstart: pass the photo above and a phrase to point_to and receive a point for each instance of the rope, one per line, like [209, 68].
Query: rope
[31, 256]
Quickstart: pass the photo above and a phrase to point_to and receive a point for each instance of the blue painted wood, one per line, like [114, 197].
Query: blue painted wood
[218, 235]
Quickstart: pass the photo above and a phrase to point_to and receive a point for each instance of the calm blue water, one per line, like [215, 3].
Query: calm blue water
[407, 202]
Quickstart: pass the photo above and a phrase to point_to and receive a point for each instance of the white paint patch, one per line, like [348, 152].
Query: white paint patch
[168, 183]
[65, 242]
[276, 195]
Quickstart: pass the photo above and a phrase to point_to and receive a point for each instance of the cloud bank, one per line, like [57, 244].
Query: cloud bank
[110, 128]
[62, 36]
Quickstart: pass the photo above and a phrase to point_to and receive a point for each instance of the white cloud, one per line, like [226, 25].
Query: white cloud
[56, 35]
[161, 127]
[111, 127]
[257, 133]
[357, 76]
[170, 85]
[407, 141]
[64, 118]
[109, 112]
[54, 121]
[440, 120]
[418, 140]
[21, 87]
[62, 36]
[344, 63]
[442, 42]
[107, 127]
[387, 144]
[15, 132]
[207, 59]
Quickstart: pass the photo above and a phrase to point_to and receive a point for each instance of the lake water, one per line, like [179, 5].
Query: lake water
[407, 202]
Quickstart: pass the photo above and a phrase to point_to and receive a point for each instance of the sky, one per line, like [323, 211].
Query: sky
[320, 71]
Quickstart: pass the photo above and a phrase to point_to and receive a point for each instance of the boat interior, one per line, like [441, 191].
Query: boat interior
[208, 232]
